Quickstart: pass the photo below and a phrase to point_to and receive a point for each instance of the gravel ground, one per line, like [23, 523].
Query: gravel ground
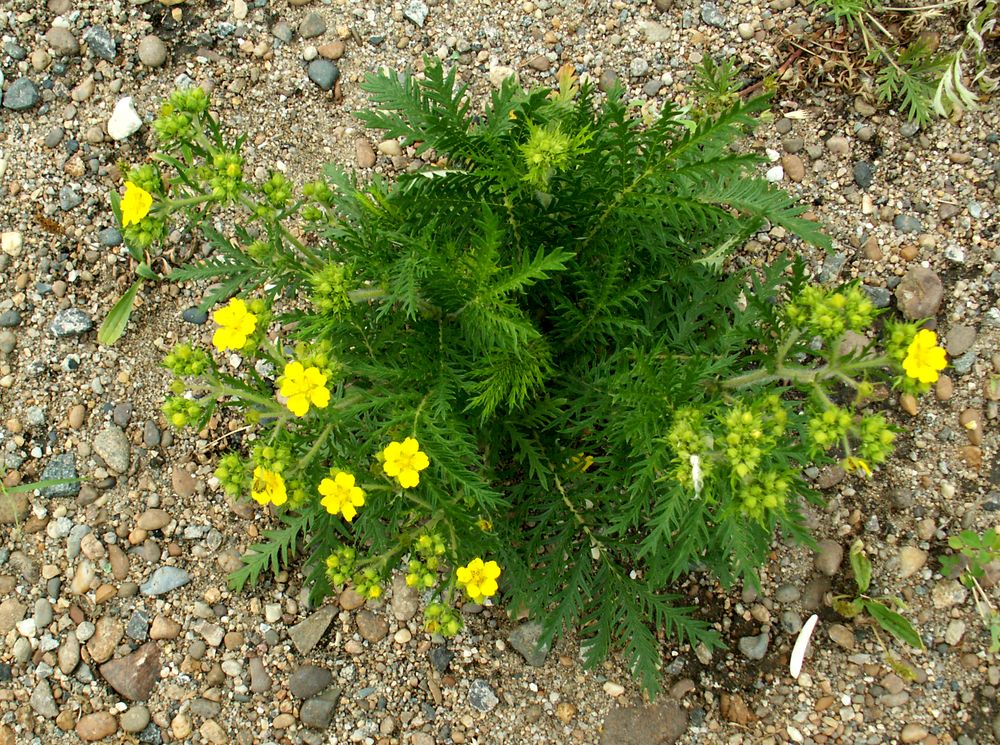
[115, 620]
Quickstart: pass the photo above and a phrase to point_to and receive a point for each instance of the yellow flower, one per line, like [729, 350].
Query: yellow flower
[924, 358]
[856, 465]
[479, 579]
[403, 461]
[236, 323]
[268, 487]
[341, 496]
[135, 204]
[302, 387]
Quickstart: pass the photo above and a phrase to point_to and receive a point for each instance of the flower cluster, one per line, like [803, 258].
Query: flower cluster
[829, 313]
[176, 121]
[225, 176]
[426, 559]
[829, 427]
[181, 411]
[186, 361]
[329, 290]
[233, 474]
[442, 619]
[340, 565]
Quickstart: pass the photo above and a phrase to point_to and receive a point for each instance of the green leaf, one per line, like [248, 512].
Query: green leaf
[114, 325]
[34, 485]
[847, 608]
[861, 566]
[894, 623]
[145, 272]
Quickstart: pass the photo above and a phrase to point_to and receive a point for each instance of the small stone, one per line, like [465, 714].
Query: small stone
[403, 636]
[774, 174]
[440, 658]
[829, 556]
[107, 634]
[638, 67]
[540, 63]
[794, 167]
[153, 519]
[163, 580]
[312, 26]
[913, 733]
[908, 403]
[842, 636]
[734, 709]
[838, 145]
[944, 389]
[334, 50]
[755, 647]
[954, 633]
[908, 224]
[373, 628]
[195, 316]
[787, 593]
[608, 80]
[101, 43]
[947, 594]
[114, 448]
[959, 339]
[863, 174]
[211, 632]
[309, 681]
[863, 107]
[96, 726]
[135, 718]
[481, 696]
[306, 634]
[655, 32]
[711, 15]
[69, 654]
[911, 561]
[317, 713]
[164, 628]
[260, 680]
[416, 12]
[180, 726]
[11, 242]
[662, 723]
[42, 701]
[919, 293]
[350, 599]
[22, 95]
[71, 322]
[62, 41]
[13, 507]
[526, 639]
[124, 121]
[745, 30]
[212, 732]
[323, 73]
[69, 198]
[152, 51]
[405, 601]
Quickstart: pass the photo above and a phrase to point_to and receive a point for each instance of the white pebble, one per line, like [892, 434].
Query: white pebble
[124, 120]
[614, 689]
[12, 243]
[775, 174]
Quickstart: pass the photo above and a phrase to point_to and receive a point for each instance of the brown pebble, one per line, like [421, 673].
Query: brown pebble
[871, 248]
[164, 628]
[96, 726]
[105, 593]
[334, 50]
[944, 389]
[794, 167]
[153, 519]
[909, 252]
[76, 416]
[363, 153]
[539, 62]
[913, 732]
[973, 455]
[565, 711]
[908, 403]
[972, 422]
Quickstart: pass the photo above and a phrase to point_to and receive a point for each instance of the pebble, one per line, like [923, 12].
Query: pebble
[152, 51]
[96, 726]
[908, 224]
[959, 339]
[913, 733]
[842, 636]
[69, 198]
[405, 601]
[309, 681]
[163, 580]
[919, 293]
[135, 719]
[711, 15]
[62, 41]
[68, 656]
[306, 634]
[526, 639]
[11, 242]
[416, 11]
[195, 316]
[323, 73]
[113, 446]
[21, 95]
[260, 681]
[101, 43]
[863, 174]
[947, 594]
[481, 696]
[911, 561]
[311, 26]
[954, 633]
[838, 145]
[71, 322]
[124, 121]
[829, 557]
[794, 167]
[317, 713]
[372, 627]
[661, 723]
[42, 702]
[755, 647]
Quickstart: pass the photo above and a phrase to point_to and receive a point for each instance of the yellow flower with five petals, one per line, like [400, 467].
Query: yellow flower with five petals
[341, 495]
[236, 323]
[479, 579]
[403, 461]
[924, 358]
[268, 487]
[135, 205]
[303, 387]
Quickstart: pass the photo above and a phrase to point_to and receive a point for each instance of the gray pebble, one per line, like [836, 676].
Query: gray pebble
[7, 341]
[135, 719]
[152, 51]
[312, 26]
[919, 293]
[652, 87]
[863, 174]
[60, 467]
[43, 613]
[639, 67]
[787, 593]
[10, 319]
[608, 80]
[711, 15]
[114, 448]
[195, 316]
[54, 137]
[963, 363]
[791, 622]
[309, 681]
[101, 43]
[881, 297]
[260, 681]
[317, 713]
[908, 129]
[42, 701]
[323, 73]
[754, 647]
[150, 434]
[138, 626]
[110, 237]
[959, 339]
[481, 696]
[440, 658]
[163, 580]
[416, 11]
[829, 556]
[908, 224]
[22, 95]
[526, 639]
[68, 198]
[282, 31]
